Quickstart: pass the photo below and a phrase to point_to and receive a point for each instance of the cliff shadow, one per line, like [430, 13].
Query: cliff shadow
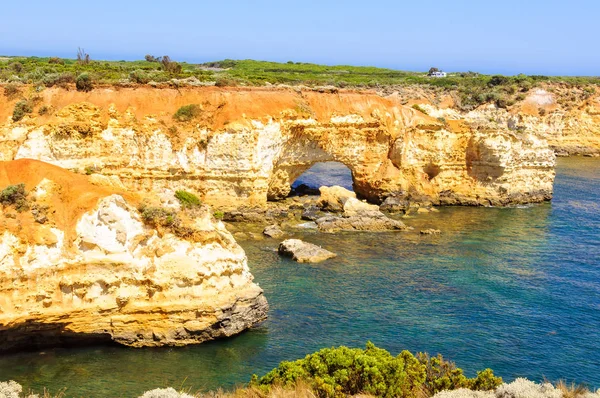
[35, 336]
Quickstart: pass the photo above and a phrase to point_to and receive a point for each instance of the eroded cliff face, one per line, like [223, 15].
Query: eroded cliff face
[80, 264]
[568, 118]
[249, 145]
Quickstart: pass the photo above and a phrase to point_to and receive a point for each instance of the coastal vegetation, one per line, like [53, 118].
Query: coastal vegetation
[187, 113]
[187, 199]
[343, 371]
[15, 195]
[371, 372]
[471, 88]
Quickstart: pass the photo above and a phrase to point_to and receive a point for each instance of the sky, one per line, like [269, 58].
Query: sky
[548, 37]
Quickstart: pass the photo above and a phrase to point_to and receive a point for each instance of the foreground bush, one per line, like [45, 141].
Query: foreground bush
[343, 371]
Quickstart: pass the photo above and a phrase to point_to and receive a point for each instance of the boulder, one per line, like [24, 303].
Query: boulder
[353, 206]
[304, 252]
[333, 198]
[431, 231]
[273, 231]
[395, 204]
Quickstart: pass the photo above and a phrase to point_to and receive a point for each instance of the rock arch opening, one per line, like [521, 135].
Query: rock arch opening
[322, 174]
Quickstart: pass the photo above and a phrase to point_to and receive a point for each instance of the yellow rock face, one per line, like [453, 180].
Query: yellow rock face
[94, 271]
[249, 145]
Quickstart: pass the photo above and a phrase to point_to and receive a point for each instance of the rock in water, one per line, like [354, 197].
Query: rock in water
[304, 252]
[431, 231]
[97, 271]
[362, 221]
[333, 198]
[353, 206]
[273, 231]
[310, 213]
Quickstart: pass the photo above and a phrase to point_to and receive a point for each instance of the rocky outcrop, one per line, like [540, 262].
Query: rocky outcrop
[567, 117]
[304, 252]
[249, 145]
[96, 271]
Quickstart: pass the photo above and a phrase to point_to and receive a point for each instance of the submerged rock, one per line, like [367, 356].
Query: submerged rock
[431, 231]
[311, 213]
[304, 252]
[363, 221]
[99, 270]
[273, 231]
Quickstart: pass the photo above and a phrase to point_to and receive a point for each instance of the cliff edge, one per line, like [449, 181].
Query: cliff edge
[244, 146]
[79, 263]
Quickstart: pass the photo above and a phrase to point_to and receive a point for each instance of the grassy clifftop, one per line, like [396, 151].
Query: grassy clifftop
[472, 88]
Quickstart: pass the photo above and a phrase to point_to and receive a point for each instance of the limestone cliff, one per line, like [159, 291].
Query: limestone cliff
[567, 117]
[78, 263]
[249, 145]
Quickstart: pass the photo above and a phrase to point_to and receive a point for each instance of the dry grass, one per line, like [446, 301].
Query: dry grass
[572, 390]
[300, 390]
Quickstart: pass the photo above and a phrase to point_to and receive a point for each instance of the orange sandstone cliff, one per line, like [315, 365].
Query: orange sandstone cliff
[248, 145]
[78, 264]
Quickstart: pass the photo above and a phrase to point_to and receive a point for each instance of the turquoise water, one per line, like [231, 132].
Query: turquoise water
[516, 290]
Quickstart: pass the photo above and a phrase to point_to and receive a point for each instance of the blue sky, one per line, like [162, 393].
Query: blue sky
[528, 36]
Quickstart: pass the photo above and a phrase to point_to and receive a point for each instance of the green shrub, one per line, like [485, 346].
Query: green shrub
[419, 108]
[219, 215]
[139, 76]
[15, 195]
[158, 216]
[11, 90]
[58, 79]
[16, 66]
[22, 108]
[84, 82]
[498, 80]
[485, 381]
[343, 371]
[56, 60]
[44, 109]
[224, 82]
[187, 199]
[187, 113]
[170, 66]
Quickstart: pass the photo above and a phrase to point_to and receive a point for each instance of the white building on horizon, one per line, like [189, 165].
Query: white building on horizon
[437, 73]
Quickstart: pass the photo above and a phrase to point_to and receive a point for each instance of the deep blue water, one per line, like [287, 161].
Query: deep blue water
[516, 290]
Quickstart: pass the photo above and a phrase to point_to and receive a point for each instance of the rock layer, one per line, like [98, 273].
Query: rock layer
[94, 271]
[249, 145]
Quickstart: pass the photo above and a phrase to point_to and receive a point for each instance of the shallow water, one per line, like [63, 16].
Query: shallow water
[516, 290]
